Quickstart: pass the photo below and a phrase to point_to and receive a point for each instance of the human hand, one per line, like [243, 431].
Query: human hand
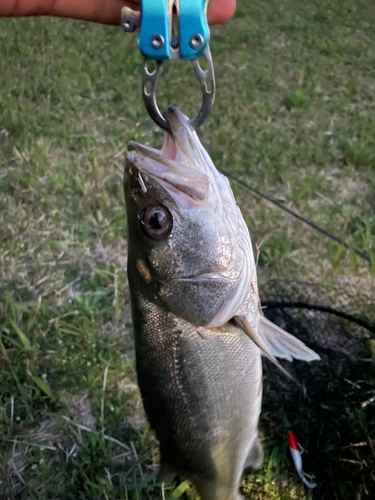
[100, 11]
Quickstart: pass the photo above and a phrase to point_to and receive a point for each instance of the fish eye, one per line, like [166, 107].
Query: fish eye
[156, 222]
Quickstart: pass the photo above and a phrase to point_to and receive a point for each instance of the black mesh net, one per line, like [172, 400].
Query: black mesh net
[332, 412]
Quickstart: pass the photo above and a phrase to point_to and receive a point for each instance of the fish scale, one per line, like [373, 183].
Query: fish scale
[211, 392]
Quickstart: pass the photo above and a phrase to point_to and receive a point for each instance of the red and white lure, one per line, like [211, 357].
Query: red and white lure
[296, 451]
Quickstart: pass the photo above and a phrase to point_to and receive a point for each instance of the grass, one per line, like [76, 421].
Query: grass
[294, 117]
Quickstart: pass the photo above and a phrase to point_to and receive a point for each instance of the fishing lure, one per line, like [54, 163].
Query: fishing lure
[296, 451]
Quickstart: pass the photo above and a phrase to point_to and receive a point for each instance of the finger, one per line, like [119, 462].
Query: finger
[220, 11]
[100, 11]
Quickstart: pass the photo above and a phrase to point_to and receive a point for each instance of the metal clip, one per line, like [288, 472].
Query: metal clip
[130, 19]
[167, 35]
[156, 39]
[206, 79]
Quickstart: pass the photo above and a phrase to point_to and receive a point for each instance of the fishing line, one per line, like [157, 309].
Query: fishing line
[301, 305]
[294, 214]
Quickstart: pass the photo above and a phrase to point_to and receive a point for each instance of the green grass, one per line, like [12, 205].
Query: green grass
[295, 118]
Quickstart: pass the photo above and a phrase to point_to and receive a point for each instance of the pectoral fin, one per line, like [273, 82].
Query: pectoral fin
[243, 323]
[274, 341]
[282, 344]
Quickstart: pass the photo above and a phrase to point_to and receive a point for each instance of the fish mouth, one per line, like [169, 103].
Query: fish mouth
[176, 167]
[181, 147]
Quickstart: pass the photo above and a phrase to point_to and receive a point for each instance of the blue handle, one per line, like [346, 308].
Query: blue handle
[192, 23]
[154, 37]
[154, 22]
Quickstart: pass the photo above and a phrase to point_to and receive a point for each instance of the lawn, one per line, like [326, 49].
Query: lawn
[295, 119]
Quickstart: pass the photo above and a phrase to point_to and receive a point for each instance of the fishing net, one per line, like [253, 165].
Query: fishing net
[332, 412]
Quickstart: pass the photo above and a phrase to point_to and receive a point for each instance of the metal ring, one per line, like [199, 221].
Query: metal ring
[206, 79]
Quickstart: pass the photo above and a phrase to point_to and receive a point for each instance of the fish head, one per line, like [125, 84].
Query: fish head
[182, 238]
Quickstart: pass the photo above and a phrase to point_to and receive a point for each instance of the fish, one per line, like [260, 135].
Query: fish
[198, 325]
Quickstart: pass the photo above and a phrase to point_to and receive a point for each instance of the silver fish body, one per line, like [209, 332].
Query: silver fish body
[202, 394]
[194, 294]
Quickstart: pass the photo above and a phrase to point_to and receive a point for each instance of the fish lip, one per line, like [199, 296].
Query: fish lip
[145, 151]
[176, 166]
[179, 124]
[180, 127]
[183, 134]
[182, 138]
[176, 120]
